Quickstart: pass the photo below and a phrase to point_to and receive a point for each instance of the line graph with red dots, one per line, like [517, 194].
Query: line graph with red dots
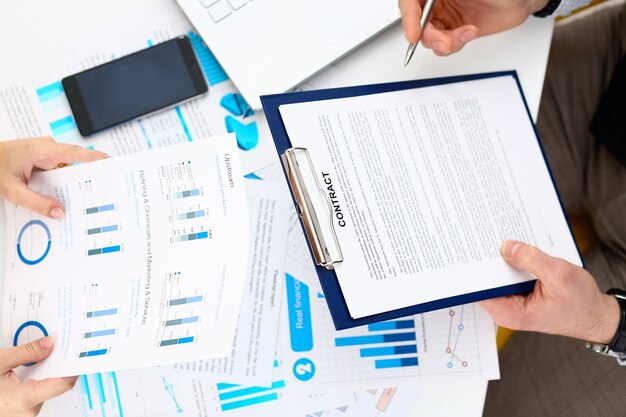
[455, 331]
[457, 340]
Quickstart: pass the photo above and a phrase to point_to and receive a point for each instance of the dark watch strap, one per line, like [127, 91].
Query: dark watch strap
[549, 9]
[618, 343]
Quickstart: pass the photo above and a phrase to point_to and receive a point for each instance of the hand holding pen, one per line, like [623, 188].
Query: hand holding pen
[428, 7]
[454, 23]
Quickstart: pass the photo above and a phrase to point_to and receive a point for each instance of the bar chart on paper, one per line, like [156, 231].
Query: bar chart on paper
[213, 71]
[404, 350]
[379, 351]
[119, 394]
[99, 395]
[389, 344]
[101, 220]
[100, 321]
[56, 111]
[189, 214]
[240, 397]
[179, 312]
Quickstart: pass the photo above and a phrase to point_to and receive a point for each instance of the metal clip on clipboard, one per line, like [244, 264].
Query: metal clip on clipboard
[306, 210]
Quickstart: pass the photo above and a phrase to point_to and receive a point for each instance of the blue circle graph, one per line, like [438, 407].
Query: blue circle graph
[19, 242]
[24, 326]
[304, 369]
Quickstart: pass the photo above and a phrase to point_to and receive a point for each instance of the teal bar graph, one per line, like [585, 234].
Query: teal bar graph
[84, 384]
[388, 350]
[395, 363]
[233, 396]
[192, 236]
[90, 353]
[105, 250]
[100, 209]
[249, 401]
[62, 126]
[99, 333]
[229, 395]
[384, 346]
[104, 229]
[178, 341]
[100, 313]
[186, 320]
[183, 123]
[391, 325]
[187, 193]
[186, 300]
[225, 385]
[191, 215]
[49, 91]
[212, 69]
[100, 385]
[100, 395]
[371, 339]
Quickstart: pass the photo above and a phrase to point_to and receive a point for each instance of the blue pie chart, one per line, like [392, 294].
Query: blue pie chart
[25, 326]
[40, 248]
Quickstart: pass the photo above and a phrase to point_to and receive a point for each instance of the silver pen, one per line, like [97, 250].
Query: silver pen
[428, 7]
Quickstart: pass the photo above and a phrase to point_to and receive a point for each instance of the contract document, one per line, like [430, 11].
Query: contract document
[422, 186]
[147, 267]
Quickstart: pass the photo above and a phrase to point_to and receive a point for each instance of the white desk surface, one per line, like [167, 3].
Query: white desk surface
[33, 25]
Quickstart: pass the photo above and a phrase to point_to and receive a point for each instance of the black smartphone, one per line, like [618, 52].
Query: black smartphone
[134, 85]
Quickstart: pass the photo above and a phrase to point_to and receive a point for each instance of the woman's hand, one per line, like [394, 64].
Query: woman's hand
[18, 160]
[24, 398]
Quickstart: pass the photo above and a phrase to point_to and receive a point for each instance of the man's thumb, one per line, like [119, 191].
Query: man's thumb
[528, 258]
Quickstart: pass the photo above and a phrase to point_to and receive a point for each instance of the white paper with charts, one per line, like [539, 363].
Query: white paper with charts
[147, 266]
[165, 392]
[452, 344]
[425, 186]
[255, 341]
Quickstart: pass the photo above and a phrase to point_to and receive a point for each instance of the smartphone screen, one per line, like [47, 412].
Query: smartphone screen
[134, 85]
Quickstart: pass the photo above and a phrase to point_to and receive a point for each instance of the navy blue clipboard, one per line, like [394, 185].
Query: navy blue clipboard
[328, 278]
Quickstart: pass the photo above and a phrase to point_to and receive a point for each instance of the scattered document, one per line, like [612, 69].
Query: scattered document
[165, 392]
[390, 402]
[257, 329]
[424, 185]
[147, 266]
[451, 344]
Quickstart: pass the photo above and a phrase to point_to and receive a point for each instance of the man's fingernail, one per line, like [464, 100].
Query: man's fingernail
[439, 46]
[56, 213]
[46, 343]
[467, 36]
[509, 248]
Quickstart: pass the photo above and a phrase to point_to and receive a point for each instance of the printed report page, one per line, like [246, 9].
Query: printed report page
[424, 186]
[147, 266]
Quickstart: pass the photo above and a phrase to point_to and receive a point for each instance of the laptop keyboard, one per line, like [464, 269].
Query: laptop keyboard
[221, 9]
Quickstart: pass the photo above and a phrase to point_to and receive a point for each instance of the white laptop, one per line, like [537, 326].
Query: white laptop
[271, 46]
